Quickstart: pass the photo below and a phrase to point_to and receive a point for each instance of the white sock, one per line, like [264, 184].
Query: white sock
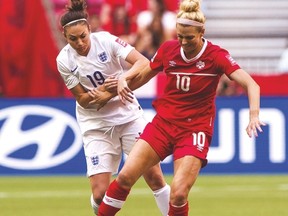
[162, 197]
[94, 205]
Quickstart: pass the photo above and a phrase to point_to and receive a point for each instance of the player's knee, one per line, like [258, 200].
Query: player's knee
[178, 197]
[98, 194]
[154, 177]
[125, 181]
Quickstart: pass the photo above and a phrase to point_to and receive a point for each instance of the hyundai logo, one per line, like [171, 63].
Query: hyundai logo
[34, 137]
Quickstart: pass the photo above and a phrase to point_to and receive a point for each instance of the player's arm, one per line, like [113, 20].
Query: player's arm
[139, 74]
[253, 91]
[98, 95]
[102, 94]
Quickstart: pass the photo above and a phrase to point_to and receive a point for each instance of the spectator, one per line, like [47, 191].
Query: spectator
[149, 39]
[172, 5]
[119, 20]
[144, 43]
[95, 23]
[156, 8]
[95, 7]
[58, 7]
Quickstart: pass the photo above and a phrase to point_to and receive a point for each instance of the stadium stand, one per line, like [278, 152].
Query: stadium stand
[255, 32]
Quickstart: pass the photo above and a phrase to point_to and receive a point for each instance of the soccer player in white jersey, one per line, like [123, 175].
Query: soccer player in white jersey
[89, 65]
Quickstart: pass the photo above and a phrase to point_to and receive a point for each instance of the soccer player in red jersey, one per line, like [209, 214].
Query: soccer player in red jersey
[183, 125]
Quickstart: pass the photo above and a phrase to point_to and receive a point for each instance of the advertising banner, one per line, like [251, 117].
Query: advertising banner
[41, 137]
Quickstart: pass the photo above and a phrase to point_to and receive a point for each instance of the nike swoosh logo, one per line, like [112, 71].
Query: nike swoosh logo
[74, 69]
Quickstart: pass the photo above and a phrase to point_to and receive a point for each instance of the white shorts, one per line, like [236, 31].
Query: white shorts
[104, 147]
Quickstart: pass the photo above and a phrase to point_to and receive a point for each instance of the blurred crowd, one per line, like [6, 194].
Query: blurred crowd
[144, 24]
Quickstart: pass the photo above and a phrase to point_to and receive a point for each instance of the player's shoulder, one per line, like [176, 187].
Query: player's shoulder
[215, 51]
[103, 39]
[64, 53]
[101, 36]
[219, 54]
[169, 47]
[108, 40]
[170, 44]
[66, 57]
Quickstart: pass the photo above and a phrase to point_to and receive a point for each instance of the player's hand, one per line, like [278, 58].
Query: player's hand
[254, 126]
[110, 84]
[99, 97]
[124, 92]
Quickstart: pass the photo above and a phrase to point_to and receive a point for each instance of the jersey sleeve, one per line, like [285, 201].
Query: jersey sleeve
[225, 62]
[67, 75]
[156, 62]
[120, 48]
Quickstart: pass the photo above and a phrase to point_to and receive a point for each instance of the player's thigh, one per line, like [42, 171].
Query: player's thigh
[141, 158]
[130, 133]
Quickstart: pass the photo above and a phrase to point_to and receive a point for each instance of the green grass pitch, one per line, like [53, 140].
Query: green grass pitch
[225, 195]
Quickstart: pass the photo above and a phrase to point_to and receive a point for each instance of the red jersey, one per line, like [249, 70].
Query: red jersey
[189, 95]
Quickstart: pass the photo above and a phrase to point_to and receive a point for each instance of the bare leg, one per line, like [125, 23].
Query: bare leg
[161, 191]
[185, 175]
[140, 160]
[99, 184]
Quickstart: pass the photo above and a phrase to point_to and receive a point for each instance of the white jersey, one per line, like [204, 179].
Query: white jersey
[102, 61]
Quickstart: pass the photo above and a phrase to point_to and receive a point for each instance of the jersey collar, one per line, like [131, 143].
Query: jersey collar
[197, 56]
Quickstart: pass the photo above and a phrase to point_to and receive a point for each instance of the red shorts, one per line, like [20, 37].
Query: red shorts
[167, 138]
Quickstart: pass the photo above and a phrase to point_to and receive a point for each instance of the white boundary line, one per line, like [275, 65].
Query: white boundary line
[137, 192]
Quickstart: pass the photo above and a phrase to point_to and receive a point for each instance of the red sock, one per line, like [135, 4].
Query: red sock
[113, 200]
[178, 211]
